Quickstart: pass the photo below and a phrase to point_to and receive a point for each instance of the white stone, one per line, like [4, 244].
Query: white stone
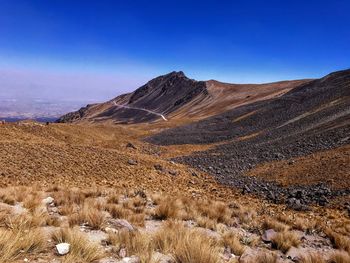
[63, 248]
[132, 259]
[48, 200]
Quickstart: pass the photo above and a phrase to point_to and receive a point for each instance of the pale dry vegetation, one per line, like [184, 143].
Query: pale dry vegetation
[184, 229]
[285, 240]
[81, 249]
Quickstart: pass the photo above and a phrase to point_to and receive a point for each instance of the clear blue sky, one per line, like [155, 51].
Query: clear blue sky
[97, 49]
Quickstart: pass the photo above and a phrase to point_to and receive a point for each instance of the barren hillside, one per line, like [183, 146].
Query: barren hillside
[174, 96]
[311, 118]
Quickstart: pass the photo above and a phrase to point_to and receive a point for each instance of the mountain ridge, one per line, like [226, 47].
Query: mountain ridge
[174, 95]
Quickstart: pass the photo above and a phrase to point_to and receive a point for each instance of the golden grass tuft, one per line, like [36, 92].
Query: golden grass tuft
[232, 241]
[339, 241]
[312, 258]
[16, 243]
[88, 215]
[81, 249]
[285, 240]
[339, 257]
[266, 257]
[134, 242]
[186, 245]
[168, 208]
[274, 224]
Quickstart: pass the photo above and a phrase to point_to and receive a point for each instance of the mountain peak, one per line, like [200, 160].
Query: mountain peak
[177, 73]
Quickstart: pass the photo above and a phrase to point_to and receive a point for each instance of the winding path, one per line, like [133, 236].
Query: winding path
[133, 108]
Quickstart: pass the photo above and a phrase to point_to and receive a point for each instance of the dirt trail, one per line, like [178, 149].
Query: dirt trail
[133, 108]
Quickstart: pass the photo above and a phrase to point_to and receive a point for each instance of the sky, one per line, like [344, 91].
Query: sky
[96, 50]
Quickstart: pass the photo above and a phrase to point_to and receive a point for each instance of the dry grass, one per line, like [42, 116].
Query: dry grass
[168, 208]
[312, 258]
[266, 258]
[285, 240]
[339, 257]
[186, 245]
[134, 243]
[134, 216]
[89, 215]
[81, 249]
[274, 224]
[26, 221]
[17, 243]
[232, 241]
[206, 222]
[339, 241]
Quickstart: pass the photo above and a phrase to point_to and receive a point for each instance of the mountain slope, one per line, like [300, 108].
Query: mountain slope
[174, 96]
[311, 118]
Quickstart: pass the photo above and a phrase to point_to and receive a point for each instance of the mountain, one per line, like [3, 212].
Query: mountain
[176, 96]
[312, 121]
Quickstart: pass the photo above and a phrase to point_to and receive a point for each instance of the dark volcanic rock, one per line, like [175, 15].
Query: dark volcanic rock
[312, 117]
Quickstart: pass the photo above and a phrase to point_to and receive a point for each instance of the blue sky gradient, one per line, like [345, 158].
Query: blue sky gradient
[115, 46]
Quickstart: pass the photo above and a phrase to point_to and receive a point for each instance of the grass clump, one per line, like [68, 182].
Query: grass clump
[81, 249]
[88, 215]
[285, 240]
[186, 245]
[232, 241]
[16, 243]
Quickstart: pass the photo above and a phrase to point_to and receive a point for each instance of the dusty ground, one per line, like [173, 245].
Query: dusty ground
[331, 167]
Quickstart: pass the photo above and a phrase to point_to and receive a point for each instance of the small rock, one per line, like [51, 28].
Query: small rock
[158, 167]
[132, 259]
[246, 189]
[296, 204]
[48, 200]
[268, 235]
[111, 230]
[122, 253]
[132, 162]
[63, 248]
[130, 145]
[293, 254]
[347, 207]
[161, 258]
[120, 224]
[172, 172]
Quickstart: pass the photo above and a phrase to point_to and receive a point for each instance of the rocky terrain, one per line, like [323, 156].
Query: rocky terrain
[310, 118]
[174, 96]
[109, 225]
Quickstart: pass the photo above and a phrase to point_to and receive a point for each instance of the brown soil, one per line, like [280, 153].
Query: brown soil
[85, 156]
[332, 166]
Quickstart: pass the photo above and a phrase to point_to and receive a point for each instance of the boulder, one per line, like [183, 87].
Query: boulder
[268, 235]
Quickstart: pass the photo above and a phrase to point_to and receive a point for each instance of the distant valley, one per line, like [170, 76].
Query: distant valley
[42, 110]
